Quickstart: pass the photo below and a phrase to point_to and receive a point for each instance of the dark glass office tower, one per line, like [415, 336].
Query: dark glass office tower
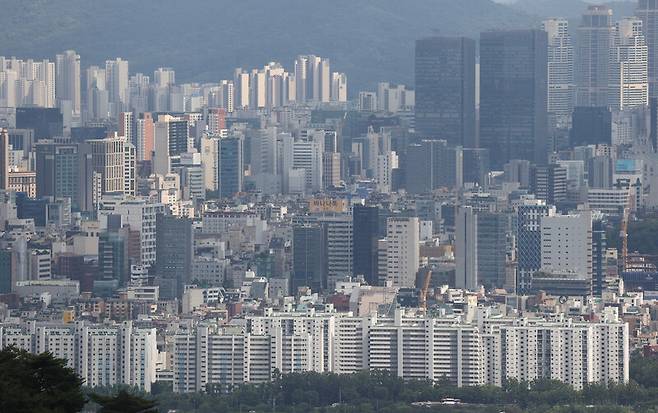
[309, 257]
[365, 227]
[231, 170]
[174, 253]
[513, 95]
[46, 122]
[432, 164]
[58, 171]
[445, 90]
[599, 245]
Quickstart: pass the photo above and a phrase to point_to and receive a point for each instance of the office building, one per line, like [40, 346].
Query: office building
[528, 241]
[594, 43]
[108, 161]
[58, 171]
[445, 90]
[170, 139]
[476, 166]
[466, 248]
[309, 260]
[549, 183]
[513, 95]
[566, 244]
[113, 255]
[561, 86]
[599, 258]
[231, 167]
[433, 164]
[402, 251]
[4, 159]
[365, 224]
[480, 248]
[338, 232]
[591, 126]
[140, 216]
[174, 255]
[46, 122]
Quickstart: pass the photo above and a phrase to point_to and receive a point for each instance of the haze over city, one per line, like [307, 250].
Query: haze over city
[345, 206]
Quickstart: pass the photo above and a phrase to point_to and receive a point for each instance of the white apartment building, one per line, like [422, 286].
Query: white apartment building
[487, 351]
[102, 355]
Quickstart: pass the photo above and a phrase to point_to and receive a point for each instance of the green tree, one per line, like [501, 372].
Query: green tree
[124, 402]
[37, 383]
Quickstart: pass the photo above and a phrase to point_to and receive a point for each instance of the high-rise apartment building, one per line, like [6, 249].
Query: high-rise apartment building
[445, 90]
[116, 73]
[628, 73]
[144, 135]
[647, 11]
[513, 95]
[67, 85]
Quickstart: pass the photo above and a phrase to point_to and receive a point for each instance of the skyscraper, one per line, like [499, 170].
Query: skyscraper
[561, 87]
[231, 169]
[466, 248]
[67, 84]
[309, 258]
[629, 81]
[174, 253]
[144, 135]
[595, 38]
[365, 224]
[647, 11]
[116, 73]
[445, 90]
[513, 95]
[108, 161]
[313, 79]
[4, 159]
[58, 171]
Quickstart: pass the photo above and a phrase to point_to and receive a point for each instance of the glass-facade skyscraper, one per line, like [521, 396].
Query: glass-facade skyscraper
[445, 90]
[513, 95]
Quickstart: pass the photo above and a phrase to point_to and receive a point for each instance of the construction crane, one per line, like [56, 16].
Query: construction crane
[623, 233]
[422, 299]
